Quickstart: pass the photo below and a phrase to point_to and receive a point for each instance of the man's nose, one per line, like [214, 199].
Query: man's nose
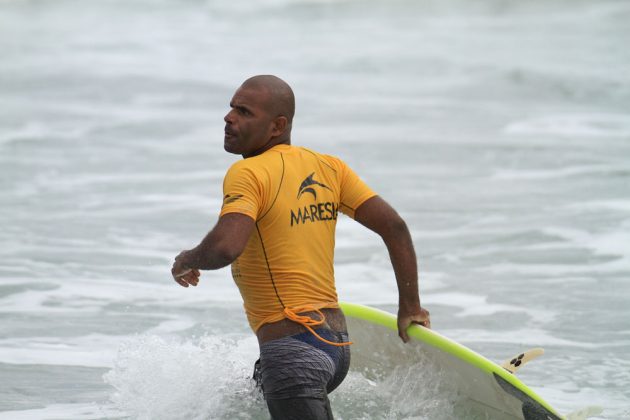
[229, 117]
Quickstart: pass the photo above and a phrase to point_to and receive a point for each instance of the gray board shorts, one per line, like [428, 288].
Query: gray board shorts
[302, 366]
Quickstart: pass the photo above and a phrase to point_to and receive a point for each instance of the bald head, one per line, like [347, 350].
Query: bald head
[280, 95]
[260, 116]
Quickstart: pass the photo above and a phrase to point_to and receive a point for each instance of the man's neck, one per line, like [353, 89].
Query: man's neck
[267, 146]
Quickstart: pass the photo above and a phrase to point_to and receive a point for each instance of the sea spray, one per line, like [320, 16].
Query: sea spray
[210, 377]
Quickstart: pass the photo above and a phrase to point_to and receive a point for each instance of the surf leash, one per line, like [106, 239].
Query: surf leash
[308, 322]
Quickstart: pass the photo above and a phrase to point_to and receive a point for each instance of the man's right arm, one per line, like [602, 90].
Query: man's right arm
[220, 247]
[377, 215]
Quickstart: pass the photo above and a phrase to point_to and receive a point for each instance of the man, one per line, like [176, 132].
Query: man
[276, 228]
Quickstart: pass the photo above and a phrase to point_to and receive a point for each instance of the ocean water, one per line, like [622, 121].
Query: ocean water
[499, 129]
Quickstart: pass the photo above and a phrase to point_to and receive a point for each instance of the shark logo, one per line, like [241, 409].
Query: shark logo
[308, 186]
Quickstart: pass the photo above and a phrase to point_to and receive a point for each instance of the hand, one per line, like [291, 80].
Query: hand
[183, 274]
[420, 317]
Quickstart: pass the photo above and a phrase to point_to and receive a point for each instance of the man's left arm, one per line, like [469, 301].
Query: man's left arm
[377, 215]
[221, 246]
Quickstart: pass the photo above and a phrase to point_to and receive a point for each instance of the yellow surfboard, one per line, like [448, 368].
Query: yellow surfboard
[484, 389]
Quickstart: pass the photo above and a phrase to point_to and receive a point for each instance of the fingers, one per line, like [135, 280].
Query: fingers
[183, 275]
[187, 278]
[426, 324]
[424, 318]
[402, 333]
[192, 278]
[178, 272]
[403, 324]
[405, 321]
[181, 282]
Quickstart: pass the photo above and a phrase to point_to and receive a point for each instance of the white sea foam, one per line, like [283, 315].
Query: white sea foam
[612, 243]
[372, 283]
[529, 337]
[478, 305]
[615, 205]
[156, 378]
[113, 180]
[398, 395]
[94, 350]
[90, 297]
[575, 125]
[546, 270]
[91, 411]
[561, 172]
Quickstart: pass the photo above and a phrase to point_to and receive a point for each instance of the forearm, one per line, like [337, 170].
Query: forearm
[221, 246]
[208, 255]
[381, 218]
[403, 258]
[204, 259]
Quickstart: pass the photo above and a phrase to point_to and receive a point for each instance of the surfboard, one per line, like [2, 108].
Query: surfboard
[483, 388]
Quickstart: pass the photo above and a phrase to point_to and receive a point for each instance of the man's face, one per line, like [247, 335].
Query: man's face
[248, 125]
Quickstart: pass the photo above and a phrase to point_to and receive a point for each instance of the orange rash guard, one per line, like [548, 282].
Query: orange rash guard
[294, 195]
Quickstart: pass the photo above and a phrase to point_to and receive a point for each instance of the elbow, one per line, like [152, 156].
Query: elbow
[226, 254]
[215, 257]
[395, 228]
[399, 225]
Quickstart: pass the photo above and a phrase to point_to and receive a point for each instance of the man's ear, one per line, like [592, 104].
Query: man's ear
[279, 125]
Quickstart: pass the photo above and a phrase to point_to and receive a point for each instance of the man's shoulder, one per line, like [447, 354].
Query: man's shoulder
[242, 169]
[238, 166]
[252, 162]
[330, 160]
[256, 166]
[277, 158]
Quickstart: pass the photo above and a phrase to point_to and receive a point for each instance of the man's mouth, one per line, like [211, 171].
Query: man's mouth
[229, 132]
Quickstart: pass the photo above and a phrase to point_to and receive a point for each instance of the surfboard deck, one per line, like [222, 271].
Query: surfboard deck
[484, 389]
